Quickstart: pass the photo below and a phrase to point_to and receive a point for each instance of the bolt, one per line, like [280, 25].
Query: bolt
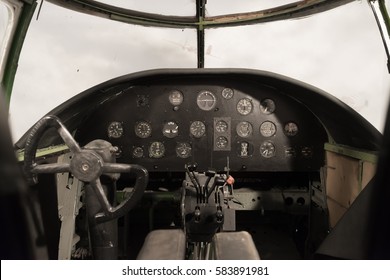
[85, 167]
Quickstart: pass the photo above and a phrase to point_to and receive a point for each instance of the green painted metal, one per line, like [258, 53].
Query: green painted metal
[385, 14]
[370, 156]
[44, 151]
[16, 47]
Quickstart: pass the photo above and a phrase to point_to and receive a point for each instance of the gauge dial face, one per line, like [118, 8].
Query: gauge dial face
[267, 129]
[267, 106]
[176, 98]
[197, 129]
[221, 142]
[143, 129]
[221, 126]
[115, 130]
[267, 149]
[170, 129]
[227, 93]
[244, 106]
[244, 129]
[183, 150]
[156, 150]
[138, 152]
[206, 100]
[291, 129]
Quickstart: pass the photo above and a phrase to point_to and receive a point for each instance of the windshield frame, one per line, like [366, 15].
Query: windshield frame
[22, 15]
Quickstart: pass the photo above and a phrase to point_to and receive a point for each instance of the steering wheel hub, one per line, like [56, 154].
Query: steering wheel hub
[86, 165]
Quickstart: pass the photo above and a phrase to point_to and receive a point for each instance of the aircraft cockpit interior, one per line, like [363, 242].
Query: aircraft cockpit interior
[200, 164]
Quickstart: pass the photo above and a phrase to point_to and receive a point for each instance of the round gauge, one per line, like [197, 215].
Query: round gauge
[206, 100]
[143, 129]
[221, 126]
[170, 129]
[227, 93]
[138, 152]
[267, 149]
[183, 150]
[291, 129]
[267, 129]
[244, 106]
[176, 98]
[115, 130]
[221, 142]
[244, 129]
[197, 129]
[267, 106]
[156, 150]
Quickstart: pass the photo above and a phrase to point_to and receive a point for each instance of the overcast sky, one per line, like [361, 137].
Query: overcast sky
[339, 51]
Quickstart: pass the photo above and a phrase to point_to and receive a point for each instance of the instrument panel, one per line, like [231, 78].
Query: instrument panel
[245, 126]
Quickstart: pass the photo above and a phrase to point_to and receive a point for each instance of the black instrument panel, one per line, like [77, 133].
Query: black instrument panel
[215, 122]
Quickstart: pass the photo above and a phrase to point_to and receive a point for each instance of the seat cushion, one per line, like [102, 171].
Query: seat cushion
[235, 246]
[165, 244]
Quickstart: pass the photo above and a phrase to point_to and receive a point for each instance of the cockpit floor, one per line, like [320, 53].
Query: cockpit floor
[273, 244]
[274, 241]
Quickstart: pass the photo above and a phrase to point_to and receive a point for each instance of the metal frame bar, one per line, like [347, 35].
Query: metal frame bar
[11, 62]
[200, 14]
[292, 10]
[379, 7]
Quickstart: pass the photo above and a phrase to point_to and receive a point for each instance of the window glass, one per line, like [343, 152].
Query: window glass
[339, 51]
[66, 53]
[166, 7]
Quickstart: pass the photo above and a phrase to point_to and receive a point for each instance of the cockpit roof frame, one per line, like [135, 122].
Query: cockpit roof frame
[289, 11]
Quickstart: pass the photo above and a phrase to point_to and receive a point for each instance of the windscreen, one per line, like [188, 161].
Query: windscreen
[339, 51]
[65, 52]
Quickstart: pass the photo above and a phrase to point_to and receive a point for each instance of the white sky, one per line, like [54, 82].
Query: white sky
[339, 51]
